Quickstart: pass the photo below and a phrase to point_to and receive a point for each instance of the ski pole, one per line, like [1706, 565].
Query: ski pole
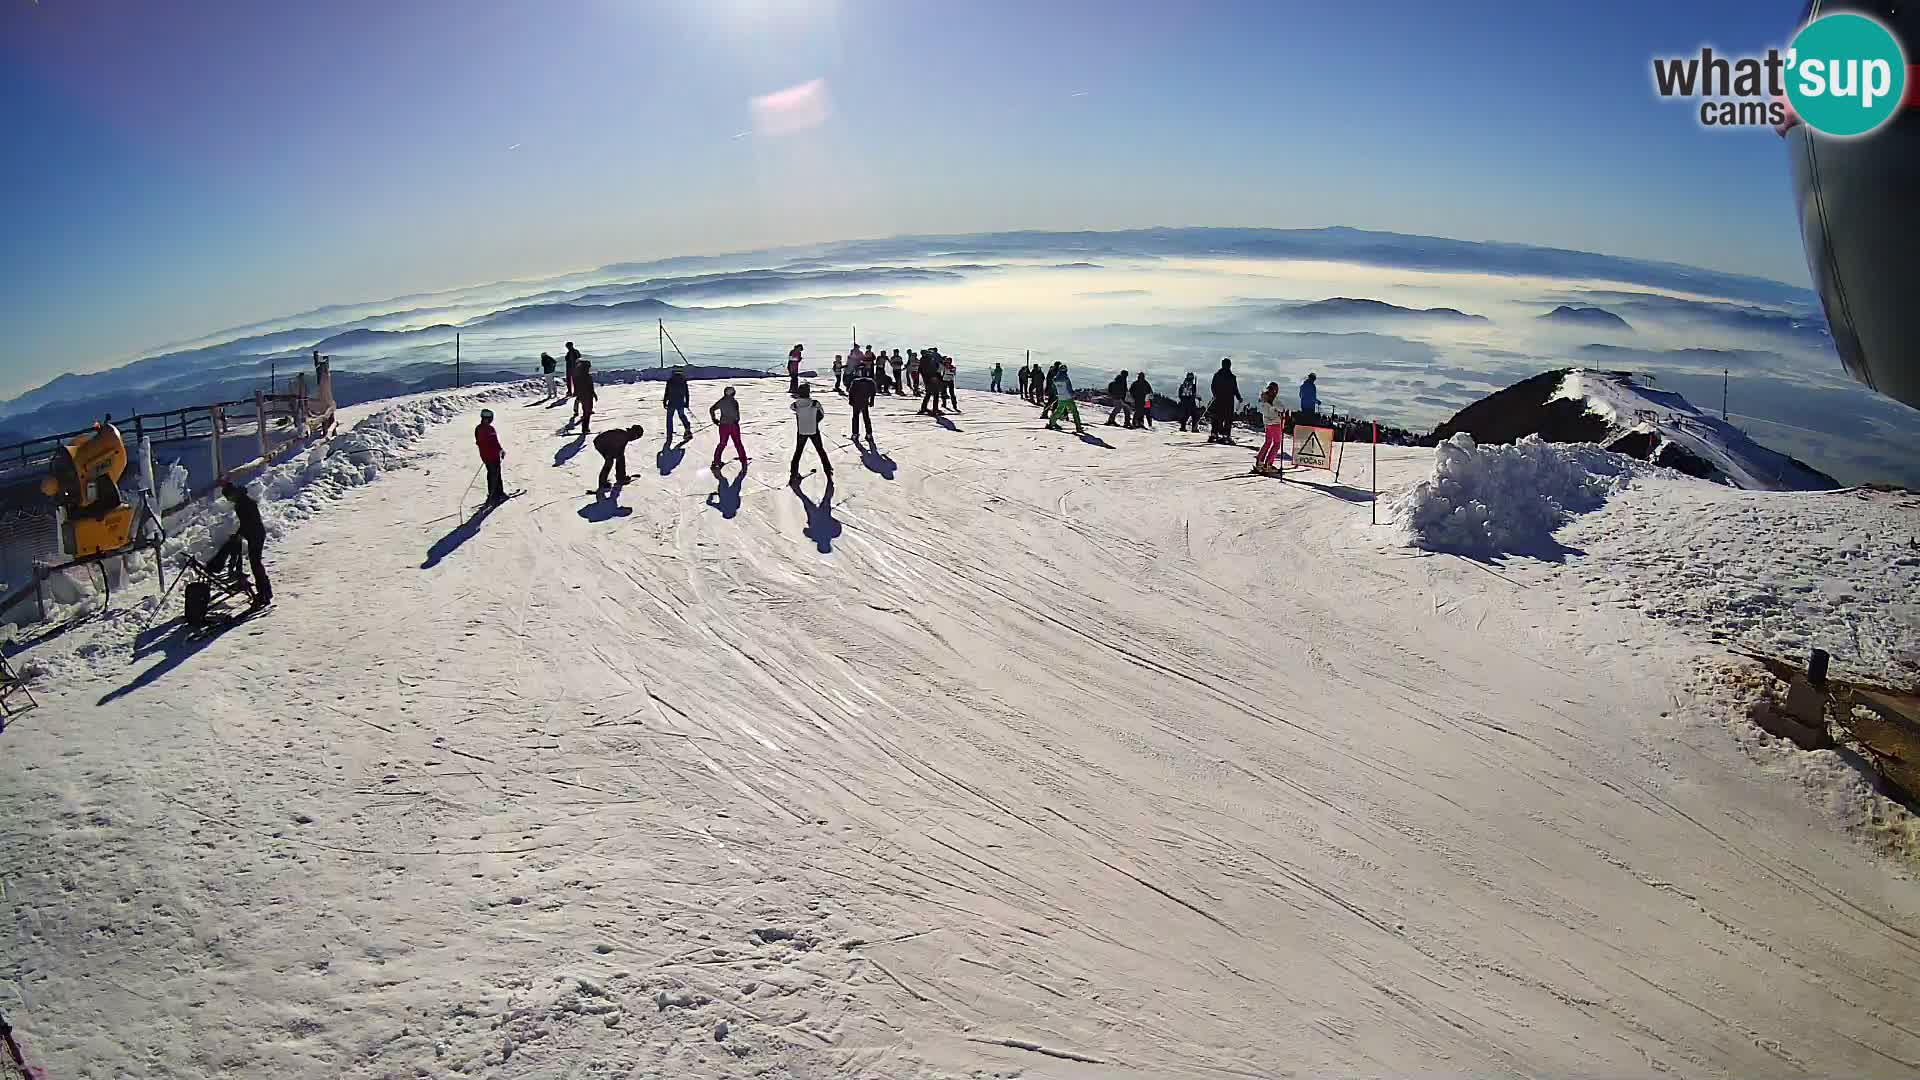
[469, 488]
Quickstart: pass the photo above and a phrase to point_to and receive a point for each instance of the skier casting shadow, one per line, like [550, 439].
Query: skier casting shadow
[460, 534]
[822, 528]
[605, 507]
[566, 452]
[670, 455]
[874, 460]
[726, 498]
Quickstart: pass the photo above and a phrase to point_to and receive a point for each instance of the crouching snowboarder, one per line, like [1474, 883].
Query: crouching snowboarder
[612, 445]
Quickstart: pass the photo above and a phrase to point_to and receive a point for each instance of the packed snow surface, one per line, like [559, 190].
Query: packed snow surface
[1014, 754]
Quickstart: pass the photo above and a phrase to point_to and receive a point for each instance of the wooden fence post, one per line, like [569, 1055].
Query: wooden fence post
[216, 414]
[260, 418]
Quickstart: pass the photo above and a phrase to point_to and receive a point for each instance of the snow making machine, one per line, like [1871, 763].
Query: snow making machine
[85, 478]
[97, 523]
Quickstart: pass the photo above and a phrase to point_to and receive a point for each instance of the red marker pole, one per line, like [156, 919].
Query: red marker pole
[1376, 472]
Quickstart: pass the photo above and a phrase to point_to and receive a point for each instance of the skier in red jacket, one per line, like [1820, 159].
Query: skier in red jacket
[491, 455]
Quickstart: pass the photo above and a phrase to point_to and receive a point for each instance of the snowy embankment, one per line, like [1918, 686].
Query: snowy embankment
[1772, 572]
[1010, 753]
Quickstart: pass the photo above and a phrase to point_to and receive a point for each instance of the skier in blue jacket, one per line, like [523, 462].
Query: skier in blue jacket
[1310, 396]
[675, 400]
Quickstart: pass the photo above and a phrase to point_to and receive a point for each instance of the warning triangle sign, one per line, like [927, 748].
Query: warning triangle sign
[1313, 447]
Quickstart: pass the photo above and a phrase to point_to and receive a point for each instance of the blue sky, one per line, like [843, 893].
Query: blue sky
[176, 169]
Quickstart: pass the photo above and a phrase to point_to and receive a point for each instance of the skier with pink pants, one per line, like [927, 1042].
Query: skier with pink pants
[726, 416]
[1274, 418]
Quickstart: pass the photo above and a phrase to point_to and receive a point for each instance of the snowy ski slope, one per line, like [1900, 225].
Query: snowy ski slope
[1021, 755]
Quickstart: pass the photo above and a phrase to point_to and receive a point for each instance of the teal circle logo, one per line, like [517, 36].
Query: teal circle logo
[1846, 74]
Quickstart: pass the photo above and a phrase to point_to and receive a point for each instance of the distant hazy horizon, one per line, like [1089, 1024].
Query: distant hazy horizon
[12, 389]
[1165, 301]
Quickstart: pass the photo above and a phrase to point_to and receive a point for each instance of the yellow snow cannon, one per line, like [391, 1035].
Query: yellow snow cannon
[85, 477]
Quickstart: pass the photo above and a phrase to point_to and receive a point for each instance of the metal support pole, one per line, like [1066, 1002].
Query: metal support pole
[1376, 472]
[456, 361]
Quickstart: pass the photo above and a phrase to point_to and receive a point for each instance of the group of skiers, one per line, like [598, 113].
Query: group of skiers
[926, 373]
[1132, 400]
[579, 385]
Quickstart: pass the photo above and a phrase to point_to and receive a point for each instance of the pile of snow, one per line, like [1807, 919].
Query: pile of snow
[1728, 455]
[1485, 501]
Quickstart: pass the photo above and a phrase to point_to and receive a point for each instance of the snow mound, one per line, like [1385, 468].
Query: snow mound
[1485, 501]
[1683, 436]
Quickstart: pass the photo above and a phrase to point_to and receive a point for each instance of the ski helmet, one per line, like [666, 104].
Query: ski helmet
[486, 416]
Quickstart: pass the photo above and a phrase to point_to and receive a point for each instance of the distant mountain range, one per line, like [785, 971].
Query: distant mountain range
[1586, 316]
[1351, 307]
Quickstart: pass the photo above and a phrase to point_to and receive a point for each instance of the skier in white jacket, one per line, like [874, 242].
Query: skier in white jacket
[807, 415]
[1273, 416]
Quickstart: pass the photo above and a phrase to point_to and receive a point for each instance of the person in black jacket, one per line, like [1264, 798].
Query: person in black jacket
[612, 445]
[675, 400]
[930, 391]
[1117, 390]
[1226, 398]
[547, 365]
[253, 534]
[860, 394]
[1141, 393]
[584, 394]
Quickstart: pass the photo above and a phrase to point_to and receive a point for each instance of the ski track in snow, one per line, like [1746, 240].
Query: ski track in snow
[1038, 758]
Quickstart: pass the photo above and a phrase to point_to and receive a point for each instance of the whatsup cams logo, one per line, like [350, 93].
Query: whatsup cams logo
[1844, 74]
